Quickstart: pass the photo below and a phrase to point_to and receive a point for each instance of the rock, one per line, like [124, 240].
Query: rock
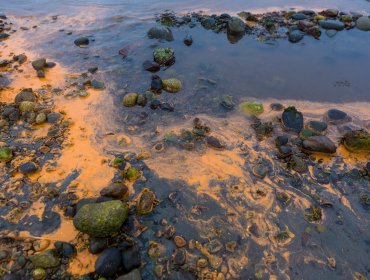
[179, 257]
[6, 154]
[155, 104]
[101, 219]
[227, 103]
[53, 117]
[363, 23]
[162, 33]
[12, 276]
[39, 64]
[97, 245]
[320, 144]
[292, 119]
[331, 33]
[25, 95]
[141, 100]
[334, 116]
[4, 82]
[295, 36]
[331, 12]
[305, 133]
[98, 85]
[188, 40]
[27, 107]
[163, 56]
[130, 99]
[276, 106]
[235, 26]
[132, 174]
[208, 23]
[108, 263]
[317, 126]
[22, 58]
[298, 164]
[156, 84]
[39, 274]
[28, 168]
[285, 150]
[4, 36]
[332, 24]
[131, 259]
[82, 42]
[261, 169]
[133, 275]
[40, 118]
[179, 241]
[50, 65]
[40, 245]
[281, 140]
[145, 202]
[215, 143]
[166, 106]
[65, 249]
[299, 16]
[47, 259]
[115, 190]
[357, 141]
[253, 108]
[172, 85]
[93, 69]
[151, 66]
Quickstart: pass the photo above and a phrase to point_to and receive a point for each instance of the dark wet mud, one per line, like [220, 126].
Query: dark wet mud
[244, 154]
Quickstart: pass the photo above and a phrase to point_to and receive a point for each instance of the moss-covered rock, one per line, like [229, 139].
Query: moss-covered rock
[132, 174]
[39, 274]
[172, 85]
[163, 55]
[6, 154]
[46, 259]
[251, 108]
[27, 107]
[357, 141]
[39, 64]
[145, 202]
[130, 99]
[101, 219]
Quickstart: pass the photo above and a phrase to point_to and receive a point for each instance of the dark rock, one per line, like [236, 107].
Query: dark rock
[108, 263]
[166, 106]
[155, 104]
[82, 41]
[317, 126]
[332, 24]
[40, 74]
[141, 100]
[50, 64]
[357, 141]
[4, 82]
[335, 116]
[65, 249]
[97, 245]
[161, 32]
[188, 40]
[92, 70]
[114, 190]
[299, 16]
[209, 23]
[235, 26]
[281, 140]
[133, 275]
[46, 259]
[295, 36]
[39, 64]
[215, 143]
[276, 106]
[151, 66]
[25, 95]
[321, 144]
[28, 168]
[99, 85]
[156, 84]
[285, 150]
[227, 103]
[368, 167]
[53, 117]
[131, 259]
[292, 119]
[179, 257]
[4, 36]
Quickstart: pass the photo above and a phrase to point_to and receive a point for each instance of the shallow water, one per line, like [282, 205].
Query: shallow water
[205, 194]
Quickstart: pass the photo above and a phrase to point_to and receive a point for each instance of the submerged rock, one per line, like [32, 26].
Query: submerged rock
[363, 23]
[320, 144]
[145, 202]
[335, 116]
[46, 259]
[332, 24]
[4, 36]
[108, 263]
[317, 126]
[357, 141]
[253, 108]
[172, 85]
[235, 26]
[39, 274]
[163, 56]
[130, 99]
[292, 119]
[188, 40]
[161, 32]
[101, 219]
[97, 245]
[151, 66]
[295, 36]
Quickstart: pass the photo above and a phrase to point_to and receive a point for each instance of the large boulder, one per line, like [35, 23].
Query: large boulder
[161, 33]
[101, 219]
[357, 141]
[319, 144]
[46, 259]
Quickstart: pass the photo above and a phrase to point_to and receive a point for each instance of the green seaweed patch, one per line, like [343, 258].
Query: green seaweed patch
[117, 162]
[132, 174]
[6, 154]
[314, 214]
[253, 108]
[357, 141]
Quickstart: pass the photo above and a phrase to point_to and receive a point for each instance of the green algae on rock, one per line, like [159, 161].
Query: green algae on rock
[145, 202]
[357, 141]
[46, 259]
[132, 174]
[6, 154]
[39, 274]
[172, 85]
[253, 108]
[163, 55]
[130, 99]
[101, 219]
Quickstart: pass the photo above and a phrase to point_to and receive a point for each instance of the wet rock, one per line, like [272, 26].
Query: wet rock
[65, 249]
[281, 140]
[292, 119]
[40, 118]
[39, 274]
[133, 275]
[97, 245]
[363, 23]
[163, 56]
[39, 64]
[28, 168]
[306, 133]
[145, 202]
[46, 259]
[299, 16]
[131, 259]
[208, 23]
[332, 24]
[166, 106]
[261, 169]
[108, 263]
[82, 42]
[132, 174]
[255, 230]
[50, 64]
[93, 69]
[235, 26]
[330, 12]
[6, 154]
[335, 116]
[4, 82]
[285, 151]
[156, 84]
[276, 106]
[161, 32]
[172, 85]
[151, 66]
[179, 241]
[295, 36]
[115, 190]
[53, 117]
[40, 245]
[25, 95]
[215, 143]
[98, 85]
[188, 40]
[320, 144]
[179, 257]
[22, 58]
[297, 164]
[4, 36]
[317, 126]
[27, 107]
[141, 100]
[253, 108]
[283, 197]
[357, 141]
[101, 219]
[130, 99]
